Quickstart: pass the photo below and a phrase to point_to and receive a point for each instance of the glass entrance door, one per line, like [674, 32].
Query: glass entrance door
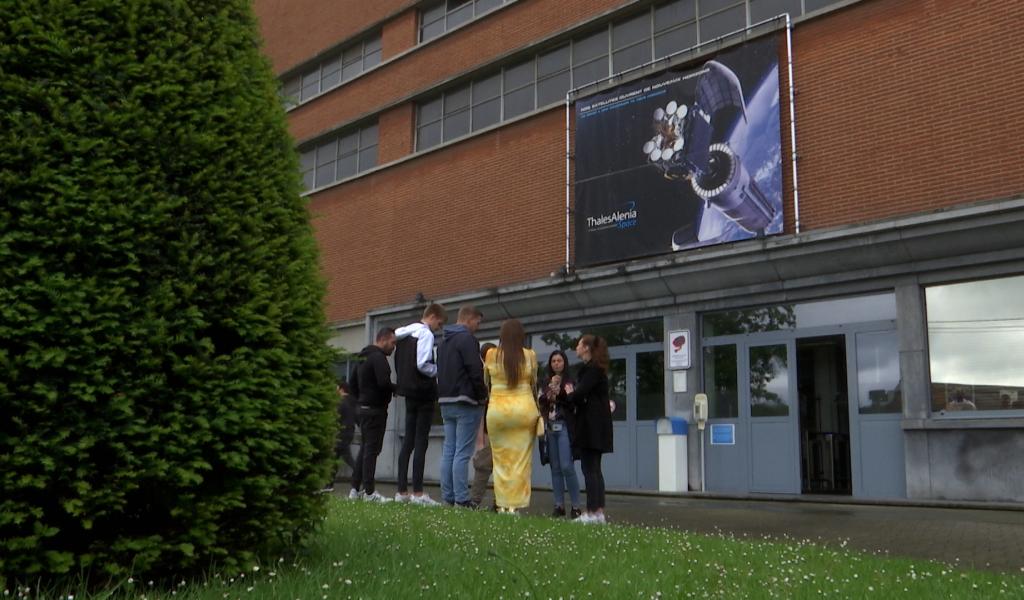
[636, 381]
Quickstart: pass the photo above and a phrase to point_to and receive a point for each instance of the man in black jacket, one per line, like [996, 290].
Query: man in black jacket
[462, 395]
[372, 386]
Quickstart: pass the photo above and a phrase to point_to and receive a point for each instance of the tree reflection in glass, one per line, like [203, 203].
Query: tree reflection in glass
[769, 381]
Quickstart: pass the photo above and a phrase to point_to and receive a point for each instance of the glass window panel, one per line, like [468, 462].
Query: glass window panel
[308, 181]
[486, 114]
[347, 165]
[766, 9]
[769, 381]
[810, 5]
[456, 125]
[553, 62]
[456, 100]
[590, 47]
[589, 72]
[483, 6]
[518, 102]
[292, 88]
[348, 144]
[433, 13]
[675, 40]
[633, 56]
[460, 15]
[307, 159]
[976, 345]
[430, 111]
[859, 309]
[352, 54]
[553, 89]
[709, 6]
[372, 59]
[721, 382]
[650, 385]
[631, 31]
[350, 71]
[431, 30]
[724, 22]
[372, 45]
[617, 388]
[669, 15]
[368, 158]
[326, 152]
[428, 136]
[368, 136]
[325, 174]
[311, 84]
[487, 88]
[518, 75]
[331, 74]
[878, 373]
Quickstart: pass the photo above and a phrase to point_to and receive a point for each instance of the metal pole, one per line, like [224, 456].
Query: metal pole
[568, 182]
[792, 121]
[702, 460]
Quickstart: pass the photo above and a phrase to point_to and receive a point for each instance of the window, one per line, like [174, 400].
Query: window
[340, 157]
[976, 345]
[721, 382]
[438, 18]
[878, 373]
[332, 70]
[545, 78]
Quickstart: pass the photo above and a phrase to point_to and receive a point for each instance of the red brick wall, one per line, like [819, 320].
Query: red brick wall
[903, 107]
[295, 30]
[906, 106]
[477, 43]
[399, 34]
[485, 212]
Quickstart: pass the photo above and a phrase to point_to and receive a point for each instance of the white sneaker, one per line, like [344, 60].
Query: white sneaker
[355, 495]
[424, 500]
[376, 497]
[586, 518]
[400, 497]
[598, 518]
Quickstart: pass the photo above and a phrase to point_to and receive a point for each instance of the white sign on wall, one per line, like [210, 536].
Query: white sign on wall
[679, 349]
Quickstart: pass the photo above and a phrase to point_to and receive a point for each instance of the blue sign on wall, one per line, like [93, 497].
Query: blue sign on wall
[723, 435]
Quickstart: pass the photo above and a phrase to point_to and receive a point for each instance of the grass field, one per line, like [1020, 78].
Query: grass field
[399, 551]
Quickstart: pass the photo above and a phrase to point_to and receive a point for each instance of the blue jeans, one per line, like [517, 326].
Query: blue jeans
[461, 422]
[563, 471]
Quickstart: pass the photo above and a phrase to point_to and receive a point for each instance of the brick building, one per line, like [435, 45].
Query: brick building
[884, 316]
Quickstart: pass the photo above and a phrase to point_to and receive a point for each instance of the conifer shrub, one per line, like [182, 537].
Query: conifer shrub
[165, 386]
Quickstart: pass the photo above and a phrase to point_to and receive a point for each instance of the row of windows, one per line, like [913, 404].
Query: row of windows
[339, 157]
[449, 14]
[332, 70]
[544, 79]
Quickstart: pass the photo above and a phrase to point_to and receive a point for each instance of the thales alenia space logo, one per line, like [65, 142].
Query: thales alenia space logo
[624, 217]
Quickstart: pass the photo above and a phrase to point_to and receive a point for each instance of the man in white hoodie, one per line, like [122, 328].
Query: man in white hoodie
[417, 382]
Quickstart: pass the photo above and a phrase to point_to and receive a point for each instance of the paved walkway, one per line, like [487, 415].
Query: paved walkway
[971, 538]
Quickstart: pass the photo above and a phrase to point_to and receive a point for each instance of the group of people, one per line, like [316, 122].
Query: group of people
[493, 413]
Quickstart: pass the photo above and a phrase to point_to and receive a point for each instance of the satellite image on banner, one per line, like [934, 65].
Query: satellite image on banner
[681, 159]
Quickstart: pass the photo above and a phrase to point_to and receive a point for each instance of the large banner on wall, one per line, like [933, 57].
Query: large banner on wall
[681, 159]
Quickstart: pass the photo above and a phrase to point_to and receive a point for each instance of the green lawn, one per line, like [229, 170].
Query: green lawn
[401, 551]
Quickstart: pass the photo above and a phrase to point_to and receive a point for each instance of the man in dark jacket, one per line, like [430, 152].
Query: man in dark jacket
[462, 395]
[373, 388]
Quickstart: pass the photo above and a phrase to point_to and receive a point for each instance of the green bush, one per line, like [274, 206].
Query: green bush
[165, 384]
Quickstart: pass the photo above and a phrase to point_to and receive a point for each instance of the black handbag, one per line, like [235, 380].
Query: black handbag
[542, 446]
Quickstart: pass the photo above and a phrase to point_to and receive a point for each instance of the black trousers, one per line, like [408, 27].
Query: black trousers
[371, 425]
[590, 460]
[343, 450]
[419, 414]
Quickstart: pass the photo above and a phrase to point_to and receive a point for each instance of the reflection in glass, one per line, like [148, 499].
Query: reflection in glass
[618, 334]
[721, 383]
[650, 385]
[769, 381]
[976, 345]
[878, 373]
[859, 309]
[617, 388]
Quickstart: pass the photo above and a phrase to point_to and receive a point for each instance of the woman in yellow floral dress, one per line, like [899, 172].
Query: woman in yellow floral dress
[512, 416]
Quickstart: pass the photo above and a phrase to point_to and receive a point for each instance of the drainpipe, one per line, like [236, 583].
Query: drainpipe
[792, 120]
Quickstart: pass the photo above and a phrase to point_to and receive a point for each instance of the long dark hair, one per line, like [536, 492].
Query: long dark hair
[598, 350]
[510, 350]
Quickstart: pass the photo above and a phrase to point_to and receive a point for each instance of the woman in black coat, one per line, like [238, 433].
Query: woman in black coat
[593, 431]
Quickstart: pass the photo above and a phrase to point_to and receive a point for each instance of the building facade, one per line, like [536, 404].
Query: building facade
[860, 333]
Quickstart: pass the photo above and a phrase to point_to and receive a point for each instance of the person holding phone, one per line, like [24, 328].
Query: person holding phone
[559, 421]
[593, 420]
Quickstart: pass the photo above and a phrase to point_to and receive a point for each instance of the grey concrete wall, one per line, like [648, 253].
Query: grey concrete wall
[976, 464]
